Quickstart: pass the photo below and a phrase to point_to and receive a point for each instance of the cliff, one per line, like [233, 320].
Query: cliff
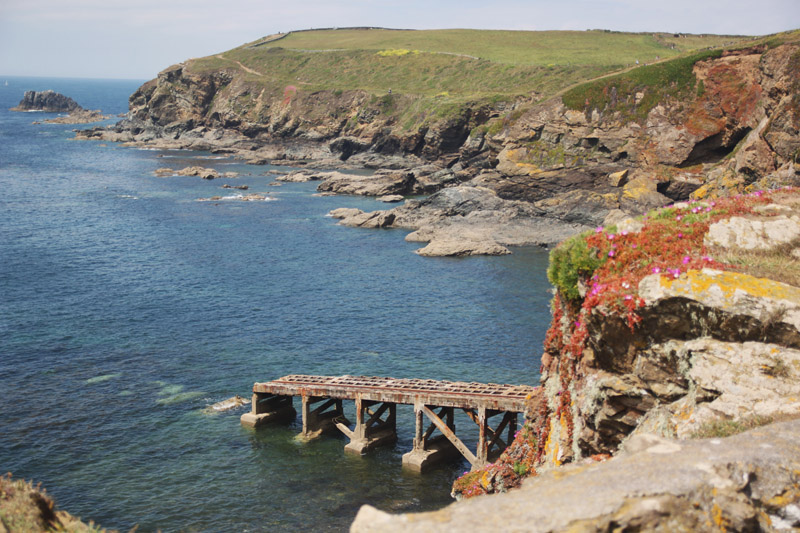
[670, 333]
[547, 157]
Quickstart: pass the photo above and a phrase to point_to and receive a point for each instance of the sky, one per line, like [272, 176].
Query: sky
[136, 40]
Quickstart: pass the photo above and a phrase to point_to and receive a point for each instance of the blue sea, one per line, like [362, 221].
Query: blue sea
[127, 307]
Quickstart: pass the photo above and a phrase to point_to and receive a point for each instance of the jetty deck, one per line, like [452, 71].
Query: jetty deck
[376, 399]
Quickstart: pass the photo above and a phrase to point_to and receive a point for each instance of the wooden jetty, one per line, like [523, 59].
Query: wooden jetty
[376, 400]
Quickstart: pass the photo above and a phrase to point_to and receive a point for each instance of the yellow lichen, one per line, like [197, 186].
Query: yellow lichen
[729, 283]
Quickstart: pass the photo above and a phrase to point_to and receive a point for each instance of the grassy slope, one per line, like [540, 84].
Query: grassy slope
[465, 64]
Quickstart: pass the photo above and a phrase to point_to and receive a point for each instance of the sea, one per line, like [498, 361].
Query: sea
[127, 308]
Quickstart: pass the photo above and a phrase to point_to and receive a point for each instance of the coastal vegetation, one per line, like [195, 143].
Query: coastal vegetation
[466, 65]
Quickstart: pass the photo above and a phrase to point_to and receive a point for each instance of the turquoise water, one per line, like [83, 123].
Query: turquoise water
[127, 307]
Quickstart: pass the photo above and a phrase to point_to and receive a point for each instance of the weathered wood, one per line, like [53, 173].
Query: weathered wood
[442, 426]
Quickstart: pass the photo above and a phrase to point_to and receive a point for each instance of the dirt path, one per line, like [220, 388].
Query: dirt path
[246, 69]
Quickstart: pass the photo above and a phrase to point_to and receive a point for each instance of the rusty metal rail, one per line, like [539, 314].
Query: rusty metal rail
[405, 391]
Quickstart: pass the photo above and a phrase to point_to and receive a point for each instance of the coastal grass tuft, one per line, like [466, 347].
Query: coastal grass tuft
[726, 428]
[778, 263]
[25, 507]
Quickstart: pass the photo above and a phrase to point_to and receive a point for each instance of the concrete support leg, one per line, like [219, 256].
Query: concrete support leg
[428, 451]
[320, 415]
[268, 408]
[371, 430]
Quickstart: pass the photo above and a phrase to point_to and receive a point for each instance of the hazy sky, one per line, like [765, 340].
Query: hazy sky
[137, 39]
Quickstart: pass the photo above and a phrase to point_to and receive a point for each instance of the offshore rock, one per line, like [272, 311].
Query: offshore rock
[747, 482]
[49, 101]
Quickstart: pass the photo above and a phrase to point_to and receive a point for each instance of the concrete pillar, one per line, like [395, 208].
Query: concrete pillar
[268, 408]
[372, 432]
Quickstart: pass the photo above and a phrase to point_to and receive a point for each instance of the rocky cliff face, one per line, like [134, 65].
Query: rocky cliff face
[672, 334]
[681, 324]
[743, 483]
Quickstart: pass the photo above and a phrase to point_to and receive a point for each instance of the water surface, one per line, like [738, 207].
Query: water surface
[127, 307]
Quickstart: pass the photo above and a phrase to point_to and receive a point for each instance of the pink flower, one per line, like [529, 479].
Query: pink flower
[611, 236]
[686, 259]
[706, 258]
[676, 272]
[598, 229]
[656, 270]
[624, 232]
[634, 246]
[626, 285]
[678, 217]
[611, 253]
[628, 297]
[680, 235]
[713, 204]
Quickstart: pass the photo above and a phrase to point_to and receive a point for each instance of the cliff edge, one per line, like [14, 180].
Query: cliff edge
[682, 324]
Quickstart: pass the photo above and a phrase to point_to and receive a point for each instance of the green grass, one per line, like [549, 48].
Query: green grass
[541, 48]
[436, 72]
[472, 63]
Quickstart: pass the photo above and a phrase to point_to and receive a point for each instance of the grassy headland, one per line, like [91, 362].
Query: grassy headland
[449, 63]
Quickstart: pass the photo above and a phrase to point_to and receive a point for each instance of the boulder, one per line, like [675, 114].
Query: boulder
[205, 173]
[391, 198]
[754, 233]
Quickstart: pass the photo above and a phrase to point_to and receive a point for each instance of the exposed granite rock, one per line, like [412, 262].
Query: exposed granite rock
[382, 183]
[467, 220]
[669, 346]
[49, 101]
[391, 198]
[81, 116]
[205, 173]
[750, 233]
[748, 482]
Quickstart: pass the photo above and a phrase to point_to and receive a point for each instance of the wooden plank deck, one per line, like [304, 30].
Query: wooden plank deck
[405, 391]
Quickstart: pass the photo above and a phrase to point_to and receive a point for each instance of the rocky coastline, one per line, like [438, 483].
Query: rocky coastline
[543, 170]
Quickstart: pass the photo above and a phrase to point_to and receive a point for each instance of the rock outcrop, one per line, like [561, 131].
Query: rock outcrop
[24, 507]
[747, 482]
[53, 102]
[49, 101]
[669, 326]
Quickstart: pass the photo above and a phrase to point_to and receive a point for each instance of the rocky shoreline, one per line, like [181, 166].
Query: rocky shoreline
[523, 172]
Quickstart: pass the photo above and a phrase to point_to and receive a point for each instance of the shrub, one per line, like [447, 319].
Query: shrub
[570, 262]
